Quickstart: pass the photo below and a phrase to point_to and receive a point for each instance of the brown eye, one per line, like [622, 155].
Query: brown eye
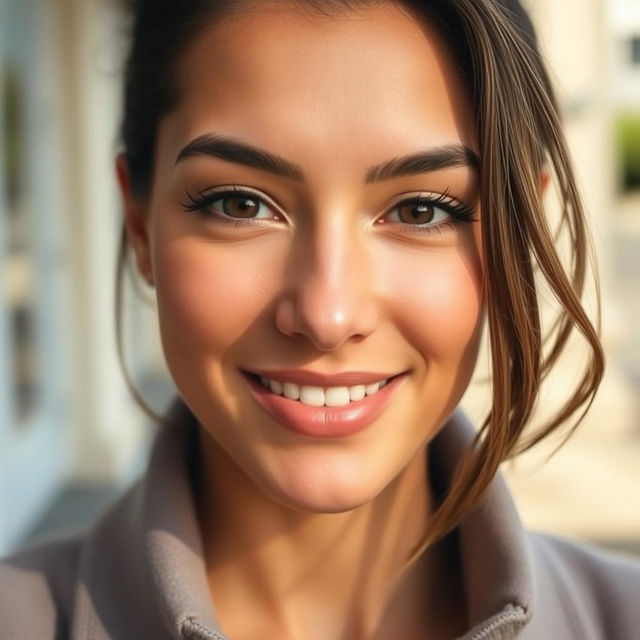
[237, 206]
[240, 206]
[416, 212]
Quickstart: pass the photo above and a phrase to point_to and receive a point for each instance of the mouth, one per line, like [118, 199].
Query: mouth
[321, 396]
[324, 411]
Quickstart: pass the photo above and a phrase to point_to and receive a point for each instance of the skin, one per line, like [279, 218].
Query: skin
[306, 533]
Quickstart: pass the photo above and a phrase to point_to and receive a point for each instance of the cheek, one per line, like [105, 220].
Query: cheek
[439, 305]
[210, 294]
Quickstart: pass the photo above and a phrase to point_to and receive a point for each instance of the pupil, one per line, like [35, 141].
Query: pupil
[240, 206]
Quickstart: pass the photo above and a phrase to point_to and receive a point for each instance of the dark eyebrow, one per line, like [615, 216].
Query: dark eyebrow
[241, 153]
[452, 155]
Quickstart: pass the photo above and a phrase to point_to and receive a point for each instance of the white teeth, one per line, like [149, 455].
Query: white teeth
[318, 396]
[336, 396]
[357, 392]
[312, 396]
[291, 390]
[370, 389]
[276, 387]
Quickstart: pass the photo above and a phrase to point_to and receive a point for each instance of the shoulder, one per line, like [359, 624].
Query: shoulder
[37, 585]
[596, 568]
[597, 590]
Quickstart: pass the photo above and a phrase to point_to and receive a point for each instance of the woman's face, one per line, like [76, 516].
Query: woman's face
[327, 265]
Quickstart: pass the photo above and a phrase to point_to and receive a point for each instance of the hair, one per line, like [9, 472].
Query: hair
[520, 135]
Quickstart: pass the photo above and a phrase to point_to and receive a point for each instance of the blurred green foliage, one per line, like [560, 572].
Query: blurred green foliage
[628, 150]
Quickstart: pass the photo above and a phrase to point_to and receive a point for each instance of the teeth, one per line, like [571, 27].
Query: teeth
[313, 396]
[291, 391]
[337, 396]
[318, 396]
[370, 389]
[357, 392]
[276, 387]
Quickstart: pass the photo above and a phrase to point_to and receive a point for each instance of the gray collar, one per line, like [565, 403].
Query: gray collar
[162, 551]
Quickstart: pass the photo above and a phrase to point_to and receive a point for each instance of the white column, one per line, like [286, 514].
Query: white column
[108, 431]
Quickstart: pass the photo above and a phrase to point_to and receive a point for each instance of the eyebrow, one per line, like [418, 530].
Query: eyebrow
[231, 150]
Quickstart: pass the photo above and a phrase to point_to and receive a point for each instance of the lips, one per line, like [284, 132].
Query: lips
[324, 421]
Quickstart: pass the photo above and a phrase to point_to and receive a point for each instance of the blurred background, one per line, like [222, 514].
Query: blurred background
[71, 437]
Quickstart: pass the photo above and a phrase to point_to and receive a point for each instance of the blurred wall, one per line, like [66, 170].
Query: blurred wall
[66, 414]
[625, 29]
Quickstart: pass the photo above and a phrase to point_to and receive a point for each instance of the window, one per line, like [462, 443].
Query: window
[19, 264]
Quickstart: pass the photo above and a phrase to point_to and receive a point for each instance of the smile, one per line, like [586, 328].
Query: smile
[322, 397]
[325, 411]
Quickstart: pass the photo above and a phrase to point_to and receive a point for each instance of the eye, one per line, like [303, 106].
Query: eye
[237, 206]
[241, 206]
[420, 212]
[429, 213]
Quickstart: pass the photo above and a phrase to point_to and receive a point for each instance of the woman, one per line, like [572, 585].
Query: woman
[328, 197]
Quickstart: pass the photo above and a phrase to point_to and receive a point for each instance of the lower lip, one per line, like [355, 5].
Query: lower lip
[325, 422]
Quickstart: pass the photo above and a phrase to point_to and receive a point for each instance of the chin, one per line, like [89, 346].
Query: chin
[322, 504]
[324, 488]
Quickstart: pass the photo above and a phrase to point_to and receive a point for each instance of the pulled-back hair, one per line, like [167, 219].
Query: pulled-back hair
[520, 136]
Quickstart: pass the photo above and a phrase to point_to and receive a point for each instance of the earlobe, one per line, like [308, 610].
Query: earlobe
[135, 220]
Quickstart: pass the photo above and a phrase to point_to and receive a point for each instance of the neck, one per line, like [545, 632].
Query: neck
[337, 573]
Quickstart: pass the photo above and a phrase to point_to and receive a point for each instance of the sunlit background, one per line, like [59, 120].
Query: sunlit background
[71, 437]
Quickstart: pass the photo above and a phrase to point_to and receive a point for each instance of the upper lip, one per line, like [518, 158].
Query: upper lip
[317, 379]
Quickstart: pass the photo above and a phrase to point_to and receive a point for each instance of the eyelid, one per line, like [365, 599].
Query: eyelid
[443, 197]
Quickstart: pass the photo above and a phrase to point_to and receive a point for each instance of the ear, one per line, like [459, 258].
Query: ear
[135, 220]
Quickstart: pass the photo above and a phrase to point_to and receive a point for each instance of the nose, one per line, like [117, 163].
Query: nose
[330, 297]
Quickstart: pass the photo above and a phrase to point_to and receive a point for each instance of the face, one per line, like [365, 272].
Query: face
[332, 259]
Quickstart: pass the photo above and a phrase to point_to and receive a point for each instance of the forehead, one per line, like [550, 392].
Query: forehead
[348, 86]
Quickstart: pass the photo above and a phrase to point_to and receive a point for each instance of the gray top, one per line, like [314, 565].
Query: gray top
[138, 572]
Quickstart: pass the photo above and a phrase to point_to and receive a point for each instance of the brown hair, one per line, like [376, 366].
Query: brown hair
[520, 136]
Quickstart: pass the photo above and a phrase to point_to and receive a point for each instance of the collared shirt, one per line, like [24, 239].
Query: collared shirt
[139, 571]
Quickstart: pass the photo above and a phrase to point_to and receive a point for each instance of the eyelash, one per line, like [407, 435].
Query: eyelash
[201, 205]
